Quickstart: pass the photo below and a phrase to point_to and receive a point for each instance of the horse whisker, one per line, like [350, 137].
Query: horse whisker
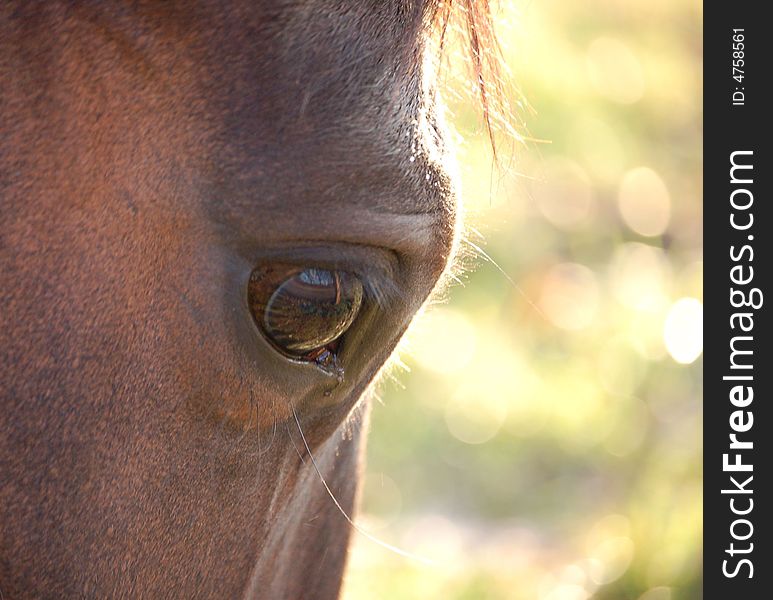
[357, 528]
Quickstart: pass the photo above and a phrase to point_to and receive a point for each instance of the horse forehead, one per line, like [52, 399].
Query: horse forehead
[346, 53]
[329, 99]
[319, 102]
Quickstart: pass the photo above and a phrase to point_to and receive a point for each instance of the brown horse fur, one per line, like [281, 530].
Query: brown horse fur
[152, 154]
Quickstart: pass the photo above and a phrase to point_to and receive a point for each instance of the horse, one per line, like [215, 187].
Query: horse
[217, 220]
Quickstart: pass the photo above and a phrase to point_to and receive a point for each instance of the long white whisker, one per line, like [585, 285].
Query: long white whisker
[292, 441]
[356, 527]
[523, 294]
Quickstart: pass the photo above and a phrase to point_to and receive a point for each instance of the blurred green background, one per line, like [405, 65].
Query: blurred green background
[545, 443]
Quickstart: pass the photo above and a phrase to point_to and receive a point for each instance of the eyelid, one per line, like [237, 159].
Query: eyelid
[377, 268]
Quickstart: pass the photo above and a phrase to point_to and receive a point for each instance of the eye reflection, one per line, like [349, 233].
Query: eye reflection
[304, 312]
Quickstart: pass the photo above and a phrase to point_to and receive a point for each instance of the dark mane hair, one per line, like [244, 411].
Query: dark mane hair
[472, 19]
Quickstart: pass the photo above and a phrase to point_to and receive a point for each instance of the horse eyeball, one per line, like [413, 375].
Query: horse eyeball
[303, 312]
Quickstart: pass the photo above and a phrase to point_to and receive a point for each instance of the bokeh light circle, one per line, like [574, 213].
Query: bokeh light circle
[644, 202]
[683, 330]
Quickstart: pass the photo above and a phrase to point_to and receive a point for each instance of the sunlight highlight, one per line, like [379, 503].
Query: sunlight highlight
[683, 330]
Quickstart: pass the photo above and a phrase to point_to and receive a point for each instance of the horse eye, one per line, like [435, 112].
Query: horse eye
[304, 312]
